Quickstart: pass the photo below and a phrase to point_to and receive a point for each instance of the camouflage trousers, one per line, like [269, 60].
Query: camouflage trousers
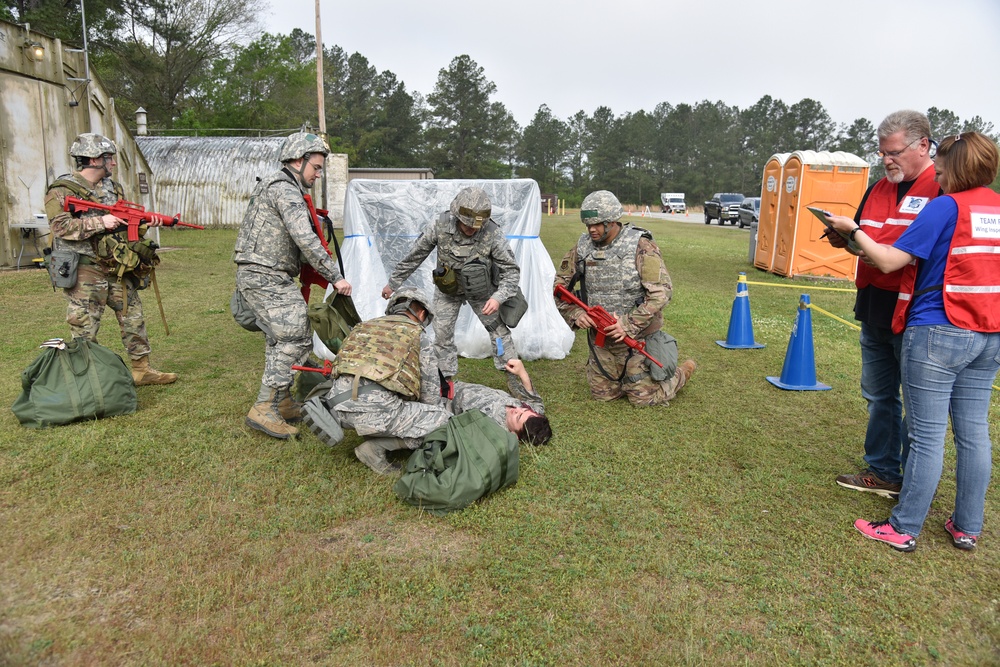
[379, 412]
[446, 309]
[278, 304]
[94, 290]
[636, 383]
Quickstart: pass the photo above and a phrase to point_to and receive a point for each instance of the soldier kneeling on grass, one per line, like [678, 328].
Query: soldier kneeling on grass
[386, 384]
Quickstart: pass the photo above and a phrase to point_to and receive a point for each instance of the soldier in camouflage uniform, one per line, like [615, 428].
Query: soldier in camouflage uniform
[620, 268]
[90, 238]
[386, 386]
[522, 414]
[275, 236]
[475, 265]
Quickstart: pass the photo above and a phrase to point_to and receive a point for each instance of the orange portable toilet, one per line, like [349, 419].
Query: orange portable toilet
[770, 198]
[835, 182]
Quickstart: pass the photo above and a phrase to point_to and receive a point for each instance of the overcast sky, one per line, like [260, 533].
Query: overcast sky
[859, 58]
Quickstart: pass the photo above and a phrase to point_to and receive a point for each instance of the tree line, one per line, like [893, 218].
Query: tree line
[199, 66]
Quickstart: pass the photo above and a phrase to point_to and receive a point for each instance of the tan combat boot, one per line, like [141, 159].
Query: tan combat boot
[265, 416]
[289, 409]
[372, 453]
[144, 374]
[685, 370]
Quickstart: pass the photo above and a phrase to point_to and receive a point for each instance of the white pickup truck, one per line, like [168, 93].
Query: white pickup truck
[672, 202]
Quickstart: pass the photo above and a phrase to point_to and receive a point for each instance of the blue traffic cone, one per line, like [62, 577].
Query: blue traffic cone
[799, 371]
[740, 334]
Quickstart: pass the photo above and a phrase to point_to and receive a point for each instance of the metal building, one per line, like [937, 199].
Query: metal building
[209, 180]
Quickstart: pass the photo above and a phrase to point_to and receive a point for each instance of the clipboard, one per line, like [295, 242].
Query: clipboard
[822, 215]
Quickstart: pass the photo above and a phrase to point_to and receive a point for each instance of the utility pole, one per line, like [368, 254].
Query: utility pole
[320, 95]
[319, 74]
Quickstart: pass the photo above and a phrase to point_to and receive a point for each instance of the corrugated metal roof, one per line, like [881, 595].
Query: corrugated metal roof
[208, 180]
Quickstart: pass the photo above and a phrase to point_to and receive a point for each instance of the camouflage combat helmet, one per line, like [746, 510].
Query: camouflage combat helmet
[472, 207]
[600, 207]
[403, 298]
[90, 144]
[301, 144]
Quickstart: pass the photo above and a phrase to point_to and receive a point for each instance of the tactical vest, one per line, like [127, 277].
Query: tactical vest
[884, 221]
[83, 192]
[135, 259]
[473, 270]
[385, 350]
[608, 272]
[972, 271]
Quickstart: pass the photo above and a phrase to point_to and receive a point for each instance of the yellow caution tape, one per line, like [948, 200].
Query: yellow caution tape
[804, 288]
[817, 308]
[831, 315]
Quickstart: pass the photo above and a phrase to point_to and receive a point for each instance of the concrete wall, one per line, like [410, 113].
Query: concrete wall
[38, 122]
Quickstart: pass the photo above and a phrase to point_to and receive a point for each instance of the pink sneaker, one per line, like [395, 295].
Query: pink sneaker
[882, 531]
[958, 538]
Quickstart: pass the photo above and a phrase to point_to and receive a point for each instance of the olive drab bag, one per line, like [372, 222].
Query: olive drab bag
[333, 319]
[71, 381]
[466, 459]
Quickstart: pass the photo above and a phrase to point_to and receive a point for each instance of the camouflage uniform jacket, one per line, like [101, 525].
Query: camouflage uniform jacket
[77, 233]
[454, 249]
[646, 271]
[277, 233]
[493, 402]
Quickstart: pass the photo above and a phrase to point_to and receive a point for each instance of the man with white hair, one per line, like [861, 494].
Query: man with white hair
[887, 209]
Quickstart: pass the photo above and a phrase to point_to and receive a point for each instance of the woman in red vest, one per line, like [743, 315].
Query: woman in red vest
[949, 305]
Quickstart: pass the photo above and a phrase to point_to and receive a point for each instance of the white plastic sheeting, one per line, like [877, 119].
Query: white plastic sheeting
[382, 220]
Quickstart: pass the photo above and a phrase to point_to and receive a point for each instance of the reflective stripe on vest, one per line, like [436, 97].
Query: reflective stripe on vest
[884, 220]
[972, 272]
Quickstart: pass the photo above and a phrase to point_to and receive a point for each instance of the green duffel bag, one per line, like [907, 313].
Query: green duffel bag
[466, 459]
[333, 319]
[73, 381]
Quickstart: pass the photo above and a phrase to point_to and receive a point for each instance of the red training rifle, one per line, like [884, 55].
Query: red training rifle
[602, 319]
[309, 276]
[133, 214]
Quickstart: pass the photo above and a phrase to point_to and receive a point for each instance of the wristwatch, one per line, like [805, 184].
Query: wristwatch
[853, 232]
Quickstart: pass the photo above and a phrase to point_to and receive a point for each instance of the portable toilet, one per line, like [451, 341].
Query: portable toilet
[834, 182]
[770, 198]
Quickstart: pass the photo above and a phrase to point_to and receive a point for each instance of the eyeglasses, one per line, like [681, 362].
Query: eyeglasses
[895, 154]
[316, 167]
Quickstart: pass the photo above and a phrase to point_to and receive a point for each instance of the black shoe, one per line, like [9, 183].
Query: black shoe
[872, 483]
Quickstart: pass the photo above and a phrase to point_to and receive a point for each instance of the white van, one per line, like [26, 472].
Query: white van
[672, 202]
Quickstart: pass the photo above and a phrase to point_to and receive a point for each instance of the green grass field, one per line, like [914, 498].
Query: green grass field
[709, 532]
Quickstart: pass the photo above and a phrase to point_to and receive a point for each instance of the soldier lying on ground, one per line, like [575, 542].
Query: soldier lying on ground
[523, 414]
[404, 404]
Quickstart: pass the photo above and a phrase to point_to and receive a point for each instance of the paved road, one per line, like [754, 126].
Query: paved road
[693, 218]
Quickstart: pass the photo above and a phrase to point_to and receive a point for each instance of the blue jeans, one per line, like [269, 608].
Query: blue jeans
[886, 444]
[947, 369]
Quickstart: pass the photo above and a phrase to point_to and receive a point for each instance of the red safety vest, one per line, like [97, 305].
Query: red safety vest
[972, 271]
[885, 221]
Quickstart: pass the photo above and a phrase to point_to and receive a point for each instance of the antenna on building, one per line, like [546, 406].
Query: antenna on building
[81, 83]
